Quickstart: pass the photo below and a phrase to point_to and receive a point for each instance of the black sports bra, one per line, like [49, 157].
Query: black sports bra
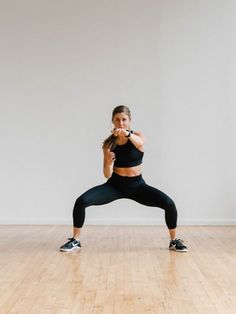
[127, 155]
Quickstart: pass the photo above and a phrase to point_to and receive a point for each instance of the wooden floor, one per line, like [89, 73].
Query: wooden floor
[120, 269]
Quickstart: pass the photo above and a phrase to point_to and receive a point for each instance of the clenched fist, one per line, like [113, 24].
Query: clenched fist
[120, 132]
[109, 156]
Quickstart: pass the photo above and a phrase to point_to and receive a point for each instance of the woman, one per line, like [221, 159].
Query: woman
[123, 152]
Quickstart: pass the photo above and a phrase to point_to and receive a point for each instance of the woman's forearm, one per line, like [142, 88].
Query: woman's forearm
[107, 170]
[137, 140]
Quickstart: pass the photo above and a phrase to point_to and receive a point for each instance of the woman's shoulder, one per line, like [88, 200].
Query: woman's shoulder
[105, 147]
[139, 133]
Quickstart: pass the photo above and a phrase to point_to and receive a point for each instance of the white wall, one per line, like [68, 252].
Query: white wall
[65, 64]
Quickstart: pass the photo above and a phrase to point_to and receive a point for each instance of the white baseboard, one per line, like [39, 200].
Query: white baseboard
[183, 222]
[52, 221]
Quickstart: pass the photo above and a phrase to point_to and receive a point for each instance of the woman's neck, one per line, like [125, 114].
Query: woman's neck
[121, 141]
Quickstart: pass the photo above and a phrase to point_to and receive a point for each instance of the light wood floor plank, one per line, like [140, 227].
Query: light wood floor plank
[120, 269]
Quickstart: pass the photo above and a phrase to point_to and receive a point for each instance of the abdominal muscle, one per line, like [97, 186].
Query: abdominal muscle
[128, 172]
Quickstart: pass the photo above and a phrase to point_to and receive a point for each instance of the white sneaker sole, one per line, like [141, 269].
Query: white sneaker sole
[75, 248]
[176, 250]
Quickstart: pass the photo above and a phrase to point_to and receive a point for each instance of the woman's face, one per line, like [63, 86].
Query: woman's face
[121, 121]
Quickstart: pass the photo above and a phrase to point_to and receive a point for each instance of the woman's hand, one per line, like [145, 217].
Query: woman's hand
[108, 161]
[120, 132]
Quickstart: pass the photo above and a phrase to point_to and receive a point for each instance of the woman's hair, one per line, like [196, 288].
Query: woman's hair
[110, 141]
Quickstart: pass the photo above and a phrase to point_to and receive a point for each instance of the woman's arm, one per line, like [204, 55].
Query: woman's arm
[108, 161]
[137, 138]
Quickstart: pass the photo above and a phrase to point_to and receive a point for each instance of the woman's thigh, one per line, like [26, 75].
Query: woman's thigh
[100, 194]
[151, 196]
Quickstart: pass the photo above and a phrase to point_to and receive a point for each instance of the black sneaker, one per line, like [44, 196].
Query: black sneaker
[71, 245]
[178, 246]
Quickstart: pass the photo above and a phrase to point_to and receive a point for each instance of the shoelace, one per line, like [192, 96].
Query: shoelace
[71, 239]
[76, 242]
[179, 241]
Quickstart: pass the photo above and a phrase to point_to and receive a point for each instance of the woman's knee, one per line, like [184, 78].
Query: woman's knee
[170, 205]
[79, 211]
[171, 214]
[81, 202]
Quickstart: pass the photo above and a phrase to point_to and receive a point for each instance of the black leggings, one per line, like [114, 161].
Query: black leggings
[133, 188]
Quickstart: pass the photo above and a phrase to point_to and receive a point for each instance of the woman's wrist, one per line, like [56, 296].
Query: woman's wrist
[129, 133]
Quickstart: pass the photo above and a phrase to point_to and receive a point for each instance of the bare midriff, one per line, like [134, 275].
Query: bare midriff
[128, 172]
